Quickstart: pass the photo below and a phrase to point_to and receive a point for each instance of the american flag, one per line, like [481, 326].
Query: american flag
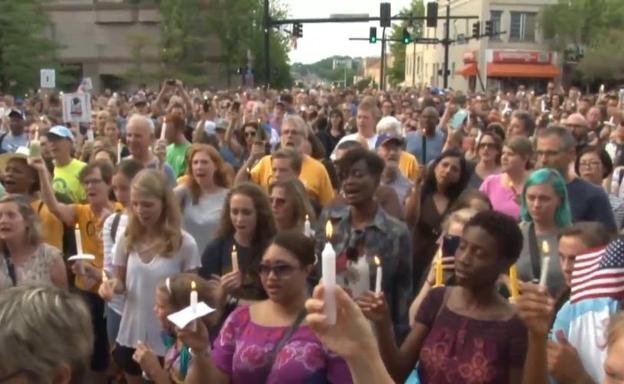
[599, 273]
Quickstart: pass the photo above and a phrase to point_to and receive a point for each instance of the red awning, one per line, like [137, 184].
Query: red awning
[468, 70]
[522, 70]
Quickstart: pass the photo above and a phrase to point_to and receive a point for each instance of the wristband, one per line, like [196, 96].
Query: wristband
[204, 353]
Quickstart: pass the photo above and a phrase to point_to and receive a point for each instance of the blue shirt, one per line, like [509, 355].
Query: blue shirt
[10, 143]
[434, 145]
[589, 202]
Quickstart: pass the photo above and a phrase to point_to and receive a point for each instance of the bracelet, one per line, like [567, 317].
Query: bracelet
[204, 353]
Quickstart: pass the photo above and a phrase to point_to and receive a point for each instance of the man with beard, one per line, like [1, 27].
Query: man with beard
[16, 137]
[390, 149]
[577, 125]
[365, 232]
[431, 134]
[313, 173]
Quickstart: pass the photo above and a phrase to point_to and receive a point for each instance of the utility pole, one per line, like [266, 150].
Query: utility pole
[447, 42]
[382, 65]
[267, 44]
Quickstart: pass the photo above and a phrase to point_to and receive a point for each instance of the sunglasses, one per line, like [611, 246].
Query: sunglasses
[280, 271]
[250, 134]
[488, 145]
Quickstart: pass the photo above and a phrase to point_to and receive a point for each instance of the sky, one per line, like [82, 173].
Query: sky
[323, 40]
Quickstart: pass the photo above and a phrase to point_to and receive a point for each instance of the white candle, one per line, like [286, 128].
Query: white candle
[78, 240]
[234, 256]
[193, 299]
[163, 129]
[378, 276]
[90, 136]
[543, 105]
[362, 269]
[545, 263]
[307, 227]
[328, 258]
[118, 151]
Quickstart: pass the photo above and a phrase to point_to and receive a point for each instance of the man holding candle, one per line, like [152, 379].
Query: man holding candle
[366, 231]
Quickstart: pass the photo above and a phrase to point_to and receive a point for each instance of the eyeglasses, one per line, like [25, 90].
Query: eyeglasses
[250, 134]
[590, 164]
[280, 271]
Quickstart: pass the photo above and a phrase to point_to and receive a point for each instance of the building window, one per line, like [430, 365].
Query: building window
[522, 26]
[495, 18]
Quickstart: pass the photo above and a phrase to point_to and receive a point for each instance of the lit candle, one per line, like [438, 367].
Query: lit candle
[439, 270]
[118, 151]
[543, 105]
[307, 227]
[78, 239]
[34, 148]
[234, 256]
[328, 258]
[163, 129]
[545, 263]
[378, 276]
[193, 299]
[513, 281]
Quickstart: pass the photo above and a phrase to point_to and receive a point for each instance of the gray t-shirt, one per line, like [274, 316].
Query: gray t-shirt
[201, 220]
[138, 321]
[401, 185]
[555, 280]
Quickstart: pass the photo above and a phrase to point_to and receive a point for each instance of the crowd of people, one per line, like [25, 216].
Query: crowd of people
[476, 237]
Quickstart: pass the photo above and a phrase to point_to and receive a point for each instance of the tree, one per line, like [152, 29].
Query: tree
[24, 49]
[592, 26]
[138, 42]
[396, 72]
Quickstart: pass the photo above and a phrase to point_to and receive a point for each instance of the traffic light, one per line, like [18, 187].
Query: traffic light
[476, 30]
[488, 27]
[372, 35]
[407, 38]
[432, 14]
[297, 30]
[385, 15]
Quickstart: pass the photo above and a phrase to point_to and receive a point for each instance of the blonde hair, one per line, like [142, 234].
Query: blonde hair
[34, 234]
[221, 177]
[44, 328]
[152, 183]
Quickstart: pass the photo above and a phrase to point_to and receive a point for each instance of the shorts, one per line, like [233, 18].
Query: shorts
[101, 353]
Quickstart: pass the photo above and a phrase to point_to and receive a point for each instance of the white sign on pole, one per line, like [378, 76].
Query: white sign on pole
[48, 78]
[76, 107]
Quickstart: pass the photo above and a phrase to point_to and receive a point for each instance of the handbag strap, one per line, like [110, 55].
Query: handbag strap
[282, 342]
[10, 267]
[536, 265]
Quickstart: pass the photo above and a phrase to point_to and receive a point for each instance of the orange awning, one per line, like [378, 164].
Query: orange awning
[468, 70]
[522, 70]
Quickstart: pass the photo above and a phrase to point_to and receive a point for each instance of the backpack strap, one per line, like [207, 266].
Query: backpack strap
[115, 226]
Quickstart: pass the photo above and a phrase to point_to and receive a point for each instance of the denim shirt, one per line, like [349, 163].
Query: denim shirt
[386, 238]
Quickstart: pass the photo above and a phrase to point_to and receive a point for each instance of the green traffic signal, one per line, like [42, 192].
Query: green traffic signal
[407, 38]
[372, 36]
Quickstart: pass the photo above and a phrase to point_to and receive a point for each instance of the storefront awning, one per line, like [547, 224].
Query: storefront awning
[468, 70]
[522, 70]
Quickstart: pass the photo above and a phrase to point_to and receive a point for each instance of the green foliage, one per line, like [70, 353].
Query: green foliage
[324, 69]
[24, 49]
[138, 43]
[594, 25]
[396, 72]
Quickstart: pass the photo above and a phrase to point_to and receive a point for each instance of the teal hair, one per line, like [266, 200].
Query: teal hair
[563, 215]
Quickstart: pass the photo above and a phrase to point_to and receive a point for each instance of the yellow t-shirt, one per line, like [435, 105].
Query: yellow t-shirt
[51, 226]
[313, 175]
[408, 165]
[91, 235]
[66, 181]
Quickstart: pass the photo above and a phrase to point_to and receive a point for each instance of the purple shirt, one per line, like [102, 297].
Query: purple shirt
[242, 351]
[502, 197]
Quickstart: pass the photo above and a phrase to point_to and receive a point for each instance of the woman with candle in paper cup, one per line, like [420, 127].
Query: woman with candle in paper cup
[173, 295]
[268, 341]
[24, 258]
[545, 211]
[153, 248]
[291, 206]
[244, 233]
[203, 193]
[88, 219]
[472, 311]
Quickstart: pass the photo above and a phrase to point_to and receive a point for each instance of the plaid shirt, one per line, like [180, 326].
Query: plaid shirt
[387, 238]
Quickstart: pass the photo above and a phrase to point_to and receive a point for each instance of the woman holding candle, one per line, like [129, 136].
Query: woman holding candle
[290, 205]
[247, 225]
[89, 218]
[468, 332]
[504, 189]
[24, 257]
[430, 203]
[267, 342]
[203, 193]
[153, 248]
[545, 211]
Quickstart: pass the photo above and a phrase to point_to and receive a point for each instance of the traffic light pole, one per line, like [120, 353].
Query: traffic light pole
[447, 43]
[267, 44]
[382, 64]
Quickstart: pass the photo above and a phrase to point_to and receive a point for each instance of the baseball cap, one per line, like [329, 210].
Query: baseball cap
[16, 112]
[387, 139]
[221, 124]
[61, 131]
